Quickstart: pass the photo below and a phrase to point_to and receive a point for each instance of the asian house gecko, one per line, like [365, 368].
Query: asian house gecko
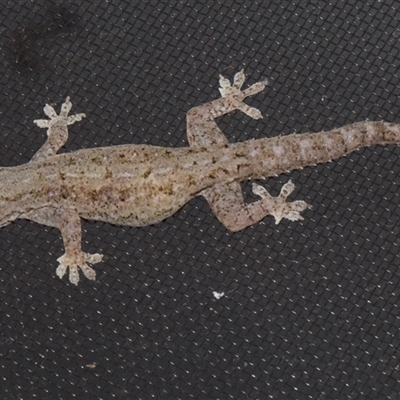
[139, 185]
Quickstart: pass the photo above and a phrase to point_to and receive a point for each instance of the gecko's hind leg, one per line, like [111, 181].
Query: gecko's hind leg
[57, 132]
[202, 130]
[228, 205]
[69, 224]
[226, 199]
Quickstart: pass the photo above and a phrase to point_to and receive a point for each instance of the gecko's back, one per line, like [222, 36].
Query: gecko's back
[127, 184]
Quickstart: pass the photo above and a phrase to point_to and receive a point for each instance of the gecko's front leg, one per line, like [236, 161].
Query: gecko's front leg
[69, 224]
[201, 127]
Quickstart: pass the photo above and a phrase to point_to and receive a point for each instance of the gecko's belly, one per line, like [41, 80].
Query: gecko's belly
[132, 217]
[137, 206]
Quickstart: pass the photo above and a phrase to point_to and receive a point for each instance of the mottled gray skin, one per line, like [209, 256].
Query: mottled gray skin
[139, 184]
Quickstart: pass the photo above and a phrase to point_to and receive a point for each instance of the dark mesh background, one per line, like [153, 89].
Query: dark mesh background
[311, 308]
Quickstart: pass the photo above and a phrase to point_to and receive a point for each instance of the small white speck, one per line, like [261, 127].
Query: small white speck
[218, 295]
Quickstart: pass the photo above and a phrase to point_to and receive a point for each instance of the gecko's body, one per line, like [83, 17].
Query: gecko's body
[139, 184]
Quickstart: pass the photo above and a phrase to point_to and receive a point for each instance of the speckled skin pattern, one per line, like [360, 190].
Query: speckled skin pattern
[139, 184]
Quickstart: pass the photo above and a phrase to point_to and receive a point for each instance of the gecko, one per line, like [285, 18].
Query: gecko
[138, 185]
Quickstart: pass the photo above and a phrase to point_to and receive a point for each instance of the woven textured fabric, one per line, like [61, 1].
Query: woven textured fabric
[185, 309]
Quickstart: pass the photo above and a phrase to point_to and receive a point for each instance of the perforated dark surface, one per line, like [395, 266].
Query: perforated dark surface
[311, 308]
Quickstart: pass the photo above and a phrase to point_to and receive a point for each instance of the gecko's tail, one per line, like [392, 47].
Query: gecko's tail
[315, 148]
[286, 153]
[367, 133]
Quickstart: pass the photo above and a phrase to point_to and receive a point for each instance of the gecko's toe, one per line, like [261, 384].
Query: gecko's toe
[239, 79]
[94, 258]
[74, 274]
[254, 113]
[256, 88]
[61, 269]
[89, 272]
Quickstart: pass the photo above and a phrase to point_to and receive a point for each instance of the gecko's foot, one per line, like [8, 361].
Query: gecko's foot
[63, 118]
[280, 208]
[234, 91]
[74, 262]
